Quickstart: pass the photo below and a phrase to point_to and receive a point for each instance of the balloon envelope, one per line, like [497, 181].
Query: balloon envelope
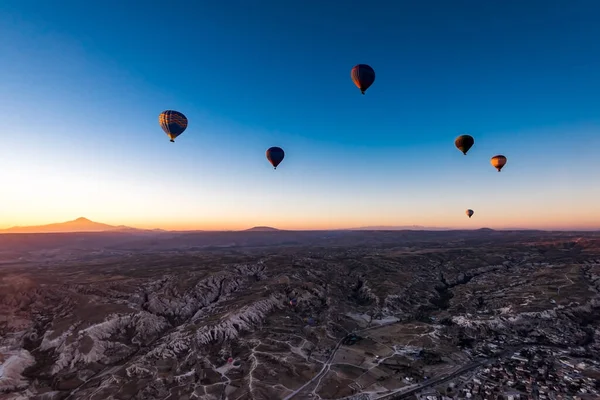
[498, 162]
[275, 156]
[464, 143]
[173, 123]
[363, 76]
[470, 213]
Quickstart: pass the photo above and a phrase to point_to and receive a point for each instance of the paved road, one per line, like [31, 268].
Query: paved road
[403, 393]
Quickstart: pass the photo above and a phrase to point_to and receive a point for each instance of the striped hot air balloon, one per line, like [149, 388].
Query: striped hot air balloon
[173, 123]
[363, 76]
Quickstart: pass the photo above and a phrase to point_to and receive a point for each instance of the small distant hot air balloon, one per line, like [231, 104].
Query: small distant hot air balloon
[470, 213]
[275, 156]
[311, 321]
[464, 143]
[173, 123]
[498, 162]
[293, 302]
[363, 76]
[230, 360]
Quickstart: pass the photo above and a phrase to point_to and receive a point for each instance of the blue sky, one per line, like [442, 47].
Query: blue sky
[84, 82]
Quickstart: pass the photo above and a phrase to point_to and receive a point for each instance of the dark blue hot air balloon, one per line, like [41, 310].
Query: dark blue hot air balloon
[275, 156]
[363, 76]
[173, 123]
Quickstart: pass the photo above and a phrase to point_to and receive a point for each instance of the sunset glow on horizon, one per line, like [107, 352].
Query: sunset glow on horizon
[81, 102]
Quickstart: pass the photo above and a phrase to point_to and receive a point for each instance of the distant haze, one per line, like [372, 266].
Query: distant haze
[85, 225]
[399, 228]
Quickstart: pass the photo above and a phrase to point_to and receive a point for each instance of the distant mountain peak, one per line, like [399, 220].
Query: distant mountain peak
[262, 229]
[82, 219]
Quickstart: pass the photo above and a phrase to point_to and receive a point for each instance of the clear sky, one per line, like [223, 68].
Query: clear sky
[83, 82]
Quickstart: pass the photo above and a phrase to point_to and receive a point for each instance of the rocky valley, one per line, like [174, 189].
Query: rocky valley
[282, 315]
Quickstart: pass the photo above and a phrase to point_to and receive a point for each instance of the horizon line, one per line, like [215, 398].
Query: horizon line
[276, 230]
[88, 226]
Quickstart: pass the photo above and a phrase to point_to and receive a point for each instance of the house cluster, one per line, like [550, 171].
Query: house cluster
[536, 373]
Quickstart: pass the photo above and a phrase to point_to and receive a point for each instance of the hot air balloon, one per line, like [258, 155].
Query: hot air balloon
[470, 213]
[363, 76]
[275, 156]
[498, 162]
[173, 123]
[293, 302]
[464, 143]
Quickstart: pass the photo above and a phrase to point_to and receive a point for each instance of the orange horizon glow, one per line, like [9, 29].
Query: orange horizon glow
[307, 225]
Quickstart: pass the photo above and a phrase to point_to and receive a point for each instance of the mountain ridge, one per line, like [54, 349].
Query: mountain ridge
[80, 224]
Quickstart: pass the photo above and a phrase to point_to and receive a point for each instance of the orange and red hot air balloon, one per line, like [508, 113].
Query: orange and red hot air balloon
[363, 76]
[498, 162]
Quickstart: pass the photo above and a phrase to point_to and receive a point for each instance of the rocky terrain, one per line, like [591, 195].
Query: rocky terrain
[269, 314]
